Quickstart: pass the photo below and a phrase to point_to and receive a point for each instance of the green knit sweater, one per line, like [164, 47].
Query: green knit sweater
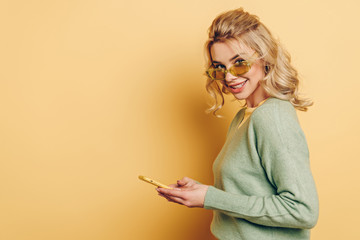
[264, 189]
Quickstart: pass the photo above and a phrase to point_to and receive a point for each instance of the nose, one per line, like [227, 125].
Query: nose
[229, 77]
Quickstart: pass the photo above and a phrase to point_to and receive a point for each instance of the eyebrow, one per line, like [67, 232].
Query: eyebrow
[233, 58]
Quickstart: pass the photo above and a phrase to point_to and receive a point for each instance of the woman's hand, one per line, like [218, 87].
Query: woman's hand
[186, 192]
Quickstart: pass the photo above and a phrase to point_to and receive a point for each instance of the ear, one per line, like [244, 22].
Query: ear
[267, 69]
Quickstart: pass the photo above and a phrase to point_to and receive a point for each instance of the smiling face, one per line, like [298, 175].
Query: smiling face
[247, 86]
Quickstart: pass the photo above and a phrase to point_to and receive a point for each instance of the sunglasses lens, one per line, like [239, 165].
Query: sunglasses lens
[216, 74]
[240, 69]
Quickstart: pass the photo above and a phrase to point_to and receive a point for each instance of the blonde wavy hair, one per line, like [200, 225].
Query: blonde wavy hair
[281, 78]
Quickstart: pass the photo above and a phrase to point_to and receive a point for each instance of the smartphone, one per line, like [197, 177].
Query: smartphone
[153, 182]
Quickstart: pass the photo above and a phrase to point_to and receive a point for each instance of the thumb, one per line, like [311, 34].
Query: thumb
[185, 182]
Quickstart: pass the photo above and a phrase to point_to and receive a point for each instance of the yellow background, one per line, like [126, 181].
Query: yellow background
[94, 93]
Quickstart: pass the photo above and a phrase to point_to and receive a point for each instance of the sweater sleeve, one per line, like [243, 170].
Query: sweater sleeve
[283, 151]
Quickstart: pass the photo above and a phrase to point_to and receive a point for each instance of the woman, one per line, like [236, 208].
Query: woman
[263, 187]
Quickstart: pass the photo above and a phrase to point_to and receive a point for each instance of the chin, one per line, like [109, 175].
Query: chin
[240, 96]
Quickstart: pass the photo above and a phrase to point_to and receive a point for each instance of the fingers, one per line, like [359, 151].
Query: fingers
[181, 192]
[171, 197]
[176, 192]
[174, 200]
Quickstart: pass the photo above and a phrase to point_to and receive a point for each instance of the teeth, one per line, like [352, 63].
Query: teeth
[239, 86]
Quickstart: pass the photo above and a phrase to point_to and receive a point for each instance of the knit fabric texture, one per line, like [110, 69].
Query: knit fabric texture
[264, 188]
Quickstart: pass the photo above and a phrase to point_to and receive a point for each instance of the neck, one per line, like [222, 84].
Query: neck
[256, 97]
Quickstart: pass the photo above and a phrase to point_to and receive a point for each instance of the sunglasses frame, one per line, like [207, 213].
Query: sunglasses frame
[247, 63]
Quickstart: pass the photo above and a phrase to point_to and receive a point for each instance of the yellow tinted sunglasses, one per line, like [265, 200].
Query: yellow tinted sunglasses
[238, 69]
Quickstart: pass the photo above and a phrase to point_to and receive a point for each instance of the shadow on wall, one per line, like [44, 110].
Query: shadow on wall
[183, 110]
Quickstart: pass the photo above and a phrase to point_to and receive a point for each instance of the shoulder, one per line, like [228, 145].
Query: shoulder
[275, 122]
[275, 105]
[275, 112]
